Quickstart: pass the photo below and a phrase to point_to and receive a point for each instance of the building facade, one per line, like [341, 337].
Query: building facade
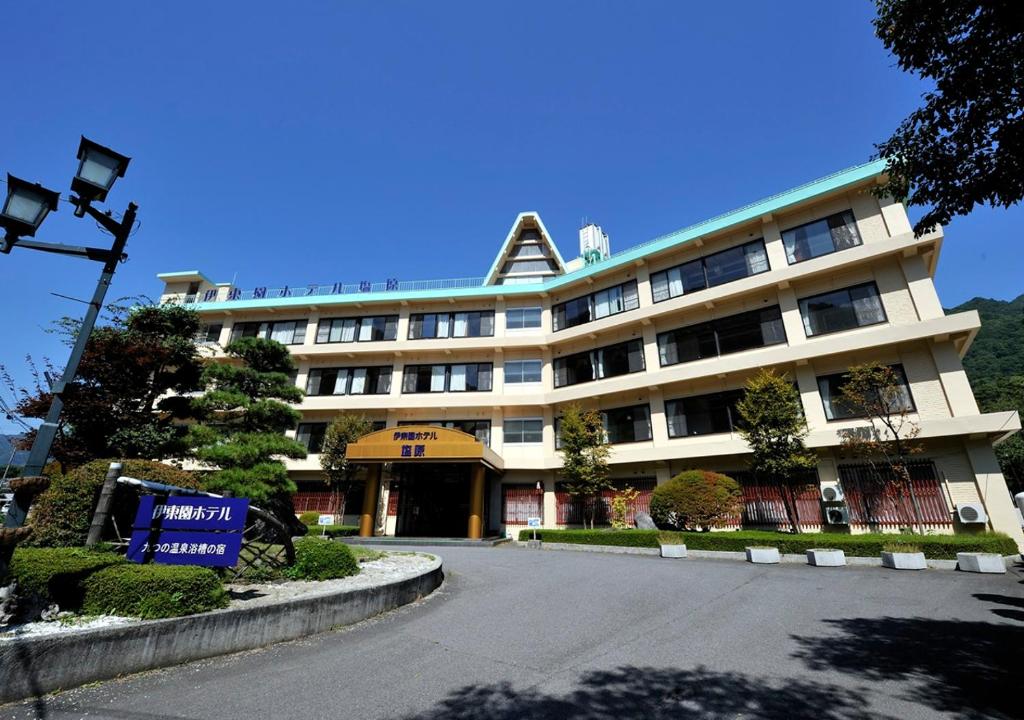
[660, 338]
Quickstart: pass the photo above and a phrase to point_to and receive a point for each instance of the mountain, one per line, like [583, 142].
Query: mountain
[7, 448]
[998, 350]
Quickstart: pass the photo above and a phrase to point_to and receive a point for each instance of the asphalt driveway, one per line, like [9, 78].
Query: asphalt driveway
[519, 634]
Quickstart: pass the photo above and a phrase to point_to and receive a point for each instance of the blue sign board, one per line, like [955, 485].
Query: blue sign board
[192, 513]
[188, 530]
[178, 547]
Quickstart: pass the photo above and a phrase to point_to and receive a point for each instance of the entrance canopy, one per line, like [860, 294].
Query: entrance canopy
[422, 444]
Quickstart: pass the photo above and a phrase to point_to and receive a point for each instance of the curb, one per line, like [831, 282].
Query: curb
[34, 666]
[788, 558]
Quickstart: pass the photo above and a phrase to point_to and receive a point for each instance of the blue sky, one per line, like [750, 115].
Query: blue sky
[288, 143]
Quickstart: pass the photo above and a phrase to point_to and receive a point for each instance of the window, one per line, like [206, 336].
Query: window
[527, 251]
[628, 424]
[444, 325]
[520, 502]
[735, 333]
[595, 306]
[530, 266]
[469, 377]
[287, 332]
[721, 267]
[521, 318]
[349, 381]
[703, 414]
[522, 371]
[481, 429]
[209, 333]
[821, 237]
[311, 436]
[606, 362]
[520, 430]
[621, 425]
[845, 309]
[836, 408]
[359, 329]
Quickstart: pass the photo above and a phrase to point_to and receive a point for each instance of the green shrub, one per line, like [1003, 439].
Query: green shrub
[696, 499]
[55, 575]
[61, 515]
[901, 546]
[868, 545]
[310, 517]
[322, 559]
[153, 591]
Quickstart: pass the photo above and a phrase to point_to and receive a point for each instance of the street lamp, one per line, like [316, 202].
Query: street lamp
[25, 208]
[98, 168]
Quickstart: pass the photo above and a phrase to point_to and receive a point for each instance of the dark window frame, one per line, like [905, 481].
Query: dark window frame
[241, 330]
[727, 400]
[479, 320]
[390, 328]
[383, 371]
[560, 309]
[447, 377]
[706, 280]
[711, 331]
[795, 257]
[848, 413]
[591, 358]
[803, 303]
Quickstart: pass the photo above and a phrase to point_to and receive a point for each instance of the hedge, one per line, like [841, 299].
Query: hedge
[322, 559]
[153, 591]
[309, 517]
[869, 545]
[62, 515]
[55, 575]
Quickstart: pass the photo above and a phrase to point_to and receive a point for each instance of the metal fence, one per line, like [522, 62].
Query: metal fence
[572, 510]
[874, 499]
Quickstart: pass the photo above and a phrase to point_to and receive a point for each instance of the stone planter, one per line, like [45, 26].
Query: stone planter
[980, 562]
[673, 551]
[534, 544]
[826, 557]
[763, 555]
[904, 560]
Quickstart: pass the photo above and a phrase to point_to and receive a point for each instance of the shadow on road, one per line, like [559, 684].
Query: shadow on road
[655, 694]
[969, 668]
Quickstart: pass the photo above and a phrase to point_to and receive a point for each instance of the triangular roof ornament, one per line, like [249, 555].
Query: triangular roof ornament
[526, 221]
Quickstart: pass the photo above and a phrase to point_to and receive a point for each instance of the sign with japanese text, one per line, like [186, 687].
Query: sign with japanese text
[192, 513]
[533, 522]
[176, 547]
[188, 530]
[325, 520]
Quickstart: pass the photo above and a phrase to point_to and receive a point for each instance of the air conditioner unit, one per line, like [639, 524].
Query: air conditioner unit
[971, 513]
[837, 516]
[832, 492]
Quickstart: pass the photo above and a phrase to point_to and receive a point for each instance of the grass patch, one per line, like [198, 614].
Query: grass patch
[364, 554]
[938, 547]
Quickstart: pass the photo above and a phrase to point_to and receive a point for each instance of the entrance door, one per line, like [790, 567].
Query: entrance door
[434, 500]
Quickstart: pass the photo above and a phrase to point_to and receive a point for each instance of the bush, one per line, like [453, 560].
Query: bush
[153, 591]
[869, 545]
[695, 499]
[55, 575]
[61, 515]
[321, 559]
[333, 531]
[310, 517]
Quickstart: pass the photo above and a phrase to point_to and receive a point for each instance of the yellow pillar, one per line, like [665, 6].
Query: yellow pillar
[476, 503]
[366, 520]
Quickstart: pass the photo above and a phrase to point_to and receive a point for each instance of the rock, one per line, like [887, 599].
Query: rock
[643, 521]
[50, 613]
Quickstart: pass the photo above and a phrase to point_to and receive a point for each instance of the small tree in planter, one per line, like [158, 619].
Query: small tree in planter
[584, 457]
[338, 470]
[695, 499]
[878, 393]
[773, 424]
[621, 505]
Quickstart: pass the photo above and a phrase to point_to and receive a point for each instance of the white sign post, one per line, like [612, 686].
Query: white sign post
[534, 523]
[323, 521]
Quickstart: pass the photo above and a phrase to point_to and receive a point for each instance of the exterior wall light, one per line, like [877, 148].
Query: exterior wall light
[26, 206]
[98, 168]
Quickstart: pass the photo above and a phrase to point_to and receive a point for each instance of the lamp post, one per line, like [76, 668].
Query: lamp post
[24, 209]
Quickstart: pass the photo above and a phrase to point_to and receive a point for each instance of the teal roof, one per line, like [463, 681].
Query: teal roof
[775, 203]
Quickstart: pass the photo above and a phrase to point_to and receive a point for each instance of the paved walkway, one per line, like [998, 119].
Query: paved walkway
[517, 634]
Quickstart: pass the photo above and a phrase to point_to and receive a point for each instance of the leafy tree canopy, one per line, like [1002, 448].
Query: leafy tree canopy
[965, 145]
[339, 473]
[584, 456]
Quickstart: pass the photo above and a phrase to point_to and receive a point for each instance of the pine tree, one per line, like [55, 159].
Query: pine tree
[241, 421]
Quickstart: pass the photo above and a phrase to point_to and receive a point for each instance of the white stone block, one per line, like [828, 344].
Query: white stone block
[826, 557]
[980, 562]
[904, 560]
[673, 551]
[763, 555]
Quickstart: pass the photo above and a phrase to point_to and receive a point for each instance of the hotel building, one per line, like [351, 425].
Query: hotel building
[465, 379]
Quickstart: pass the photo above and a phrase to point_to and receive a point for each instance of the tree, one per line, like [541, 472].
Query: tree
[242, 418]
[696, 499]
[584, 457]
[965, 146]
[111, 409]
[339, 472]
[878, 393]
[773, 424]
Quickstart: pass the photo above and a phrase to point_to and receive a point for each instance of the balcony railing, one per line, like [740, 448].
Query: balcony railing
[320, 290]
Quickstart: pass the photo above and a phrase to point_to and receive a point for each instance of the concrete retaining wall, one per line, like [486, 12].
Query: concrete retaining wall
[34, 666]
